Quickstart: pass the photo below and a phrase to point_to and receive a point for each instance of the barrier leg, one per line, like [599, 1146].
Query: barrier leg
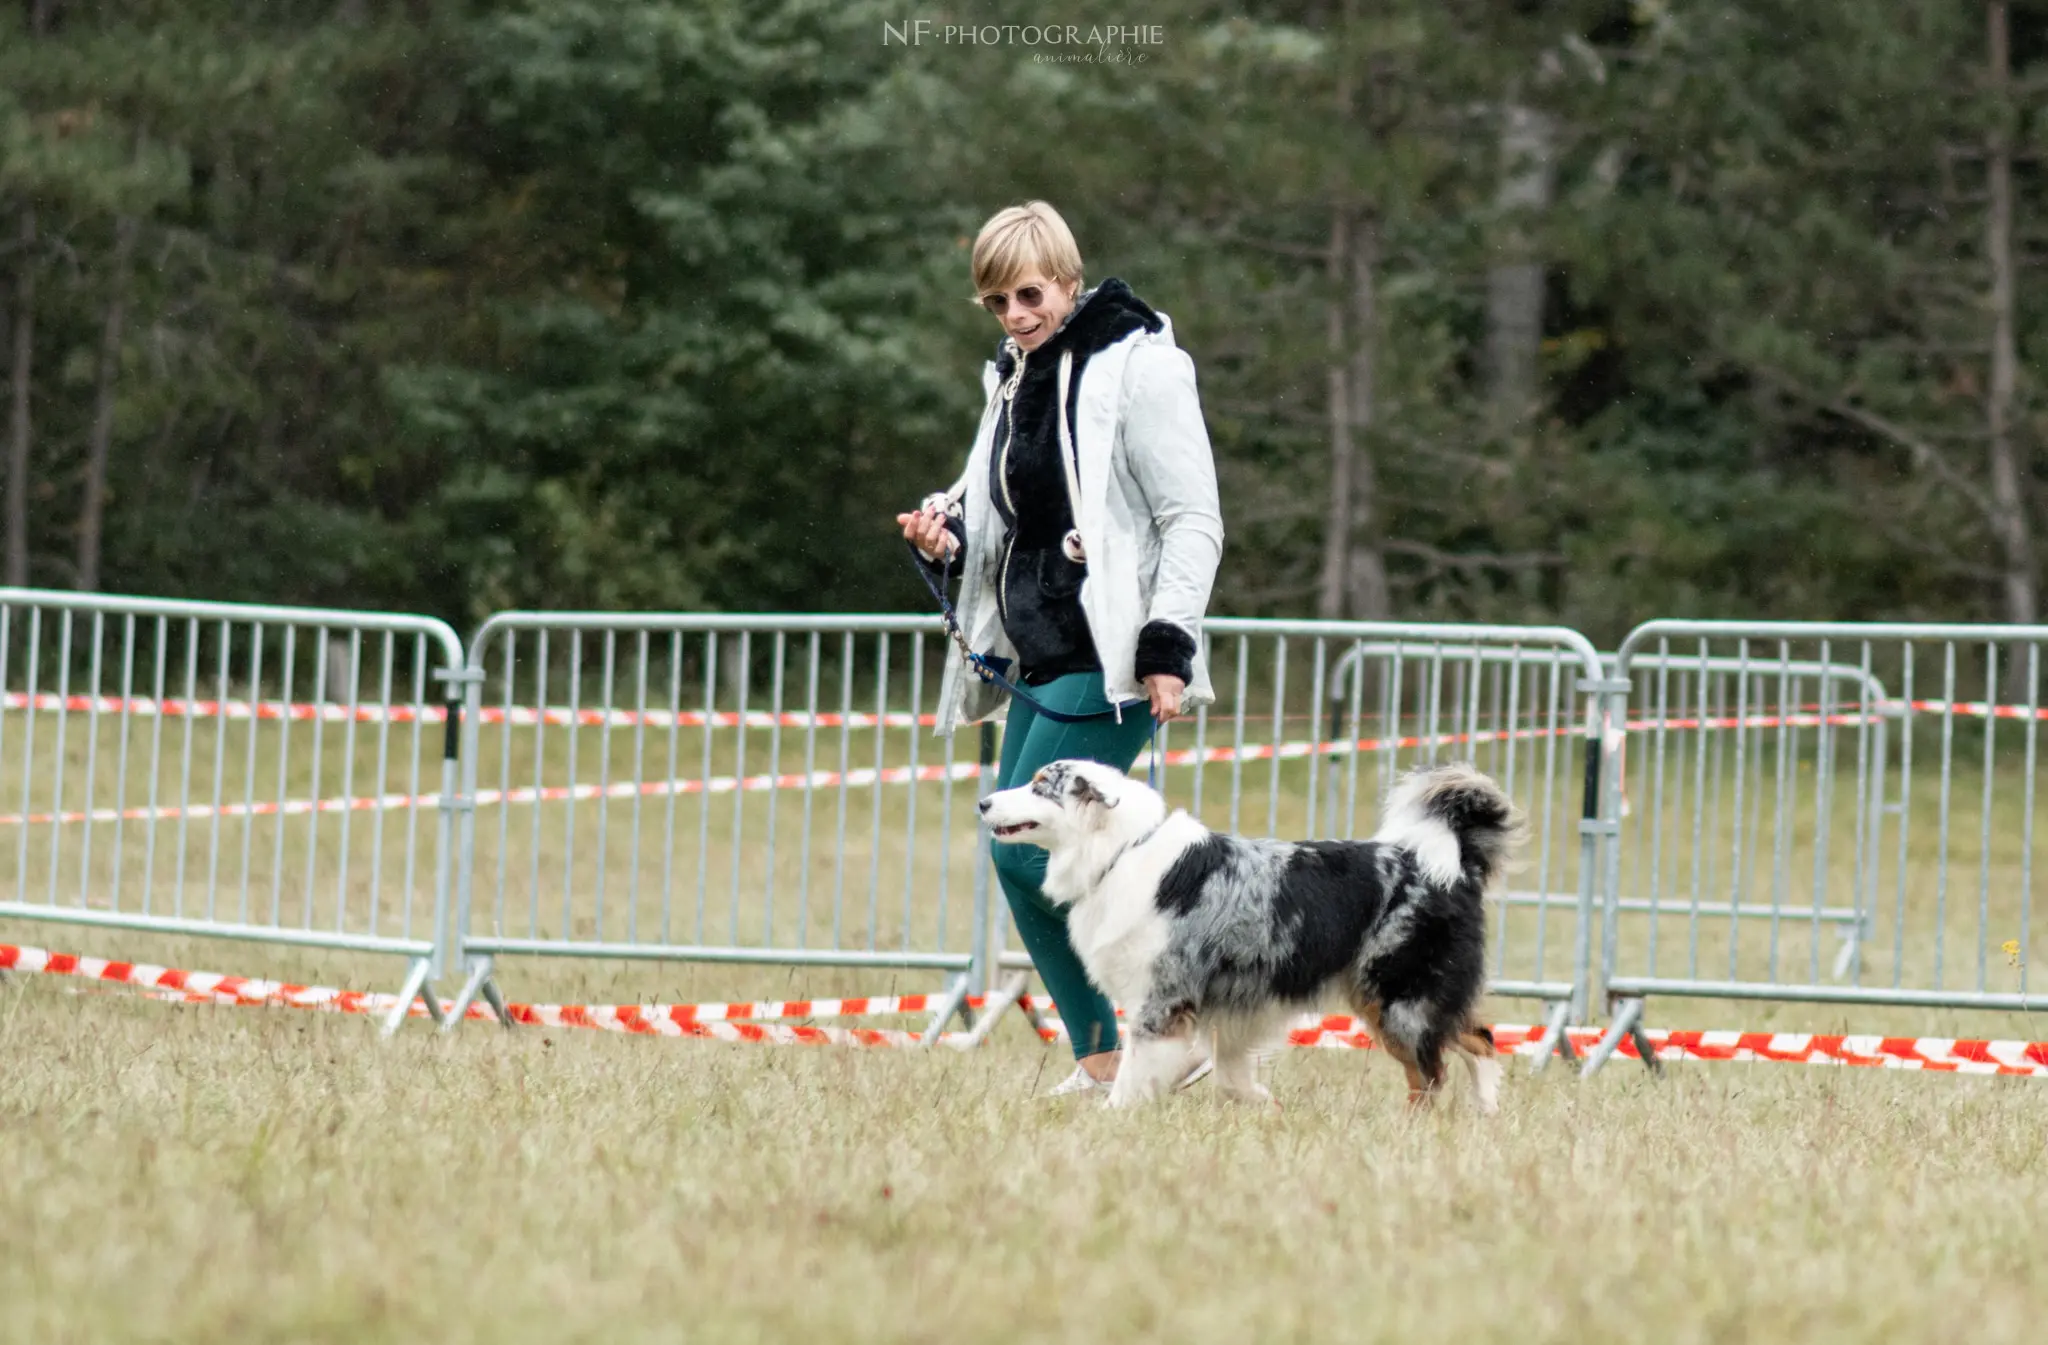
[1851, 952]
[480, 982]
[955, 1001]
[1645, 1052]
[1010, 995]
[1555, 1040]
[1031, 1012]
[415, 981]
[496, 999]
[1628, 1017]
[992, 1009]
[432, 1000]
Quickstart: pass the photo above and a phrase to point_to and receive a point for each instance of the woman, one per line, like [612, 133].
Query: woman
[1086, 533]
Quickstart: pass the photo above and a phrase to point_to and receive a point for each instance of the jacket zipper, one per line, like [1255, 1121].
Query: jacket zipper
[1009, 392]
[1003, 580]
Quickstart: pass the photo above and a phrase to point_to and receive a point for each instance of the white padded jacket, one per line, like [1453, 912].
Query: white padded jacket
[1146, 507]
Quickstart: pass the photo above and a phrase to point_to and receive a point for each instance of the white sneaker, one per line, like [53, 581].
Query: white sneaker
[1080, 1081]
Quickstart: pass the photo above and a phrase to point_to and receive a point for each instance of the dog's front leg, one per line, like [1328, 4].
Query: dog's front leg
[1156, 1054]
[1237, 1058]
[1150, 1065]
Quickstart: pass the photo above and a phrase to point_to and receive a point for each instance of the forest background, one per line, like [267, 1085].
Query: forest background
[1528, 310]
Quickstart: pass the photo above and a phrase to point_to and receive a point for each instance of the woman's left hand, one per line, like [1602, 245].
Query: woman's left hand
[1165, 691]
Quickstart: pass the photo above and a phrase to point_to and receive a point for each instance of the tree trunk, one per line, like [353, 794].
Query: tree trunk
[1354, 572]
[94, 508]
[18, 421]
[2008, 503]
[1366, 571]
[1514, 287]
[344, 676]
[1337, 522]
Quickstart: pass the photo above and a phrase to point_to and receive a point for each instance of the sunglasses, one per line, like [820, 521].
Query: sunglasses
[1030, 296]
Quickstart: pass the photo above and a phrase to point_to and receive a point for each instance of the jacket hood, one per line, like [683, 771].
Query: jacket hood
[1100, 318]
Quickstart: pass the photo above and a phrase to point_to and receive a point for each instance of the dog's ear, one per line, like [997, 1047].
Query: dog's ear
[1085, 792]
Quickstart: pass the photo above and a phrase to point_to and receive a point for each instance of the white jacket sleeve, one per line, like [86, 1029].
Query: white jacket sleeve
[1166, 444]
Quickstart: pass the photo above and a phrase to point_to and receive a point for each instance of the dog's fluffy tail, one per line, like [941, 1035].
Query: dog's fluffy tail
[1456, 822]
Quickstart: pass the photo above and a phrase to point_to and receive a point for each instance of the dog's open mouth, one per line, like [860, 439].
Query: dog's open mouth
[1014, 829]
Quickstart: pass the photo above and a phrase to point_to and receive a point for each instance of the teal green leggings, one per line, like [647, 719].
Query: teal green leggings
[1030, 740]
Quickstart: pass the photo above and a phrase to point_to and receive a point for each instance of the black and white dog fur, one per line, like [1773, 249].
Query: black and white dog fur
[1194, 931]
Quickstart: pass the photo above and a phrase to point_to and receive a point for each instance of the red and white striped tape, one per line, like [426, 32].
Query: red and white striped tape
[675, 1020]
[171, 707]
[858, 778]
[717, 784]
[169, 812]
[1939, 1054]
[716, 1021]
[1942, 1054]
[201, 986]
[558, 716]
[722, 1022]
[867, 1006]
[810, 780]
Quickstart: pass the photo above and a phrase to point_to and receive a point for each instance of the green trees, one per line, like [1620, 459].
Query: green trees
[695, 371]
[226, 201]
[1503, 310]
[1808, 257]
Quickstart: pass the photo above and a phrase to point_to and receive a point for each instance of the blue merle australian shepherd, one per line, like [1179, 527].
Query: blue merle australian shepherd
[1218, 940]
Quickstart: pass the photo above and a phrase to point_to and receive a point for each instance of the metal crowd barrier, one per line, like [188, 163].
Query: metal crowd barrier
[229, 771]
[1792, 812]
[1314, 719]
[1787, 780]
[738, 789]
[1703, 695]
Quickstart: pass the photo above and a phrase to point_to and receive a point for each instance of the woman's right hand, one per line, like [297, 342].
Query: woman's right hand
[926, 530]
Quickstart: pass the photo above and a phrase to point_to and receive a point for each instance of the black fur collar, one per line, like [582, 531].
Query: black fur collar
[1101, 317]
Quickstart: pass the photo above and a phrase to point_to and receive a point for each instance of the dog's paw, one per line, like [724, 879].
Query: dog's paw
[1124, 1099]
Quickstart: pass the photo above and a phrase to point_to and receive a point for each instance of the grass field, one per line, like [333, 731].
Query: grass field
[200, 1173]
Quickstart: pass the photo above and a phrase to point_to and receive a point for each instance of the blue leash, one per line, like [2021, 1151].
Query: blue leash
[992, 669]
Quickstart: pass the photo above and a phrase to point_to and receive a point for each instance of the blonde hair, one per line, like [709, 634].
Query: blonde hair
[1023, 238]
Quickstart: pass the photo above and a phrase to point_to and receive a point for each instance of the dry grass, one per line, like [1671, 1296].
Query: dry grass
[182, 1174]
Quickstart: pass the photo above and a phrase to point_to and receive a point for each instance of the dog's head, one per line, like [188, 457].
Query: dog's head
[1067, 801]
